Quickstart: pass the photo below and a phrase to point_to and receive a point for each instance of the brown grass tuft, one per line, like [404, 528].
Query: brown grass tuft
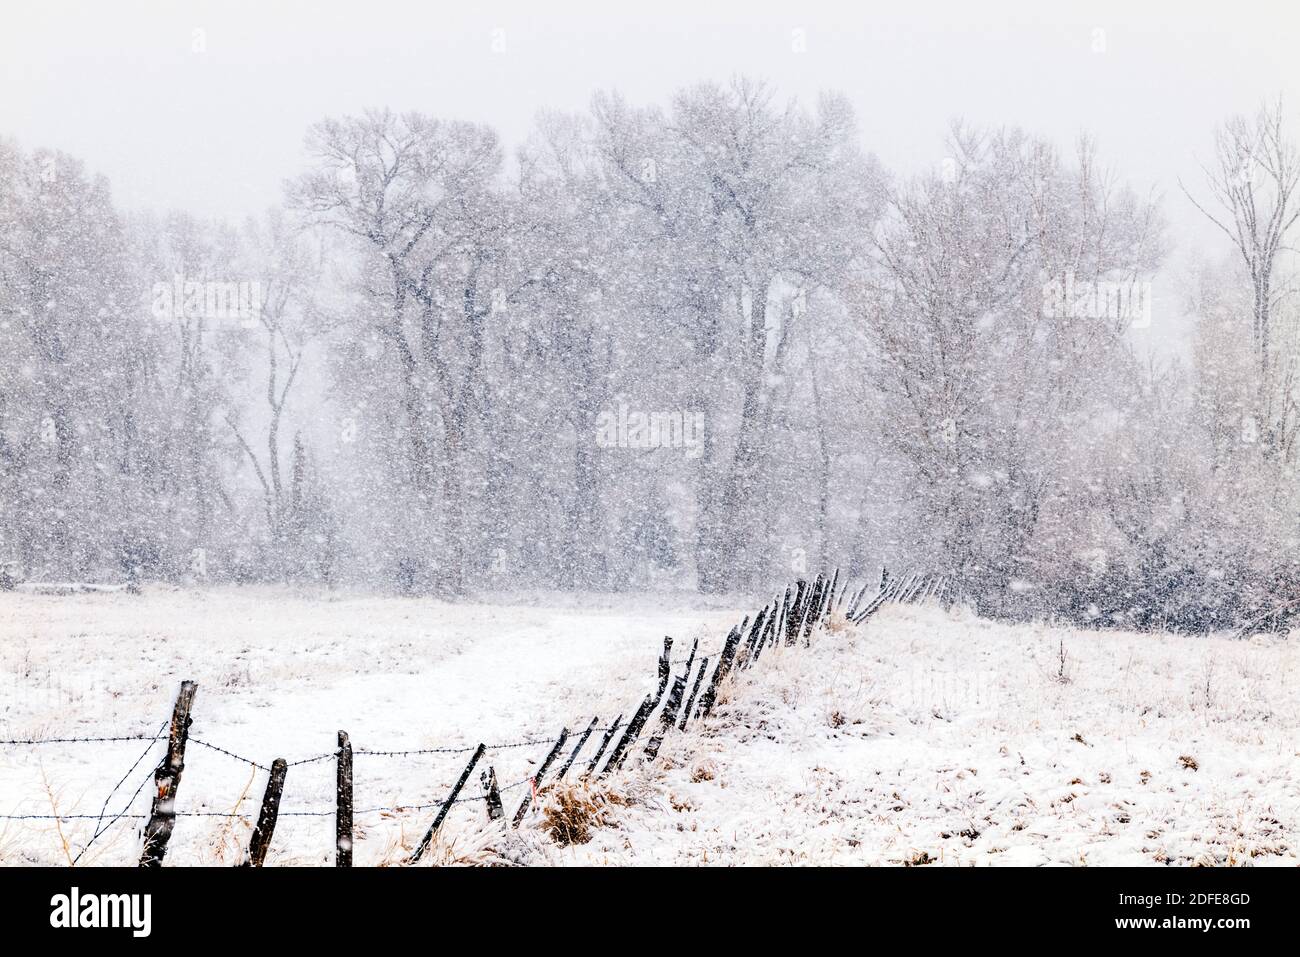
[573, 809]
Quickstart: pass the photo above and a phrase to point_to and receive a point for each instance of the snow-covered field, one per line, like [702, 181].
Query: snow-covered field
[922, 736]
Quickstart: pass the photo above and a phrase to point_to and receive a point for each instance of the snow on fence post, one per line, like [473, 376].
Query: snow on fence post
[668, 718]
[633, 729]
[167, 780]
[769, 635]
[665, 666]
[724, 666]
[261, 839]
[751, 643]
[695, 689]
[574, 755]
[343, 804]
[604, 743]
[795, 613]
[857, 599]
[492, 794]
[536, 781]
[813, 611]
[446, 806]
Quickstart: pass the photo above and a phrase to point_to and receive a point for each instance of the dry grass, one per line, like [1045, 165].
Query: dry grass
[572, 809]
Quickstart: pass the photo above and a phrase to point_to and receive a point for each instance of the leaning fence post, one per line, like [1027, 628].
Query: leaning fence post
[795, 615]
[813, 611]
[492, 794]
[446, 806]
[167, 780]
[574, 755]
[261, 839]
[633, 729]
[343, 804]
[751, 644]
[604, 743]
[724, 666]
[665, 666]
[536, 780]
[695, 689]
[668, 718]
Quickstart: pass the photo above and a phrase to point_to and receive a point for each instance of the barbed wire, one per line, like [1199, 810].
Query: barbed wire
[100, 826]
[326, 756]
[242, 814]
[229, 754]
[98, 740]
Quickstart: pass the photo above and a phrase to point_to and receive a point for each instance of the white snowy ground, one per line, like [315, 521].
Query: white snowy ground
[923, 736]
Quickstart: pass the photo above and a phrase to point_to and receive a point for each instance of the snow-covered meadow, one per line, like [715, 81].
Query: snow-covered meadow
[922, 736]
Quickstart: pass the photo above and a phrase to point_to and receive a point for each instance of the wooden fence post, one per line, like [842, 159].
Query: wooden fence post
[167, 780]
[813, 611]
[574, 756]
[343, 804]
[795, 615]
[446, 806]
[724, 666]
[633, 729]
[604, 743]
[665, 666]
[668, 718]
[261, 840]
[695, 689]
[536, 781]
[751, 643]
[493, 794]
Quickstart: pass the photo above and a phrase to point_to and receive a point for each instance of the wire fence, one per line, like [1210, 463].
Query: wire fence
[788, 620]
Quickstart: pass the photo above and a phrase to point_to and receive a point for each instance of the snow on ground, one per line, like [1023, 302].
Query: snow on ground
[934, 737]
[921, 736]
[279, 674]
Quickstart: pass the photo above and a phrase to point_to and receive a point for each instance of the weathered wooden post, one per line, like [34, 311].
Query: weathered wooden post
[604, 743]
[492, 794]
[695, 689]
[537, 778]
[667, 718]
[769, 635]
[813, 610]
[724, 666]
[665, 666]
[167, 780]
[261, 840]
[446, 806]
[795, 615]
[751, 644]
[343, 804]
[633, 729]
[574, 756]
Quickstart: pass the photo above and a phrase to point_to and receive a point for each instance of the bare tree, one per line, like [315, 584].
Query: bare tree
[1252, 184]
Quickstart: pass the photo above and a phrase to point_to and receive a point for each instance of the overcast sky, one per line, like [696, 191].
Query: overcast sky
[217, 130]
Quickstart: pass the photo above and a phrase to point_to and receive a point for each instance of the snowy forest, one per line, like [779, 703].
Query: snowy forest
[712, 344]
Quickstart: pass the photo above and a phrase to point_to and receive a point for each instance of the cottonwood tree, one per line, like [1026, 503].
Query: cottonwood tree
[280, 259]
[984, 387]
[422, 200]
[1254, 200]
[736, 202]
[67, 367]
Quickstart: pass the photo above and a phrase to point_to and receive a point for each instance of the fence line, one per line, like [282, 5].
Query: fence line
[788, 619]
